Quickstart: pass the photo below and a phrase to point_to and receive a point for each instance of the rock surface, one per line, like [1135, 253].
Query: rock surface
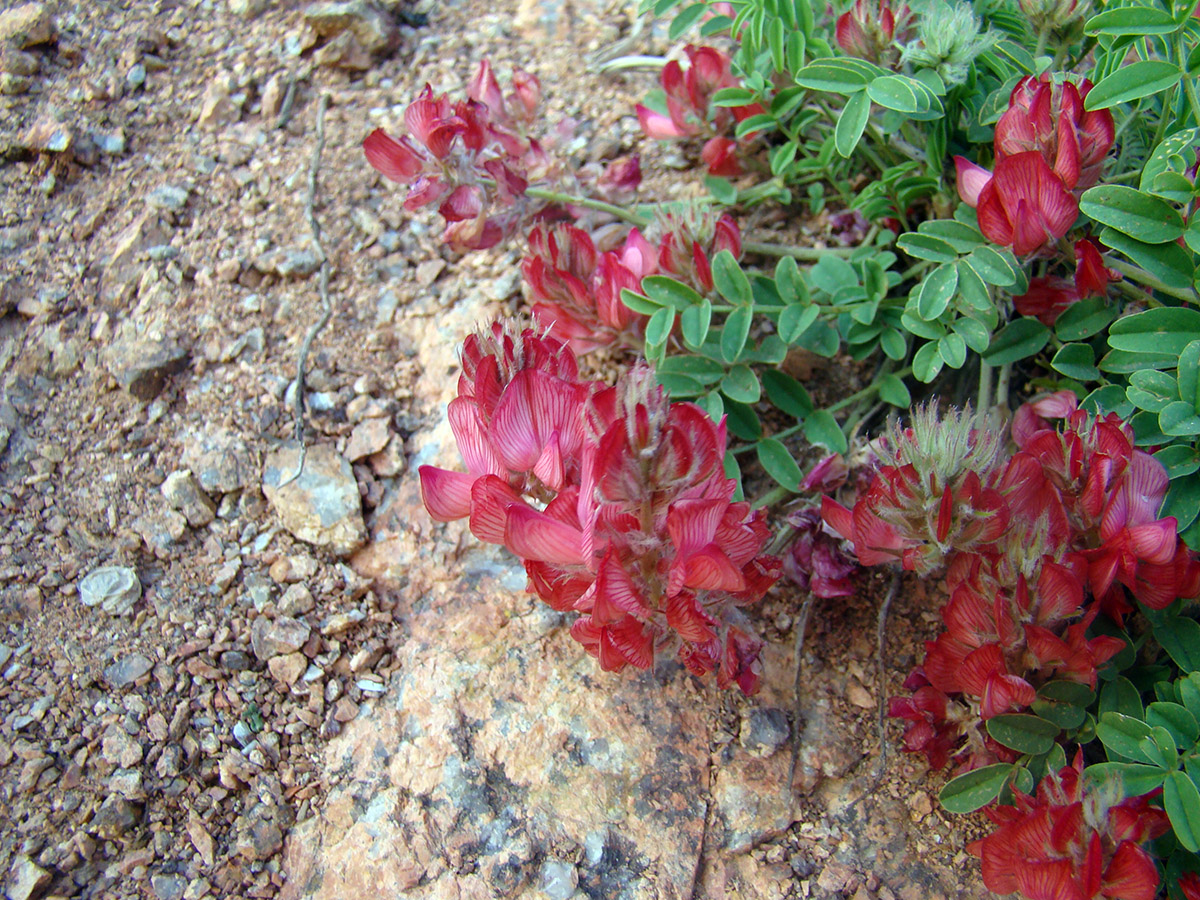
[320, 505]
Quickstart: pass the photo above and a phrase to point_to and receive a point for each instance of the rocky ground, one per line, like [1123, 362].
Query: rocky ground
[216, 681]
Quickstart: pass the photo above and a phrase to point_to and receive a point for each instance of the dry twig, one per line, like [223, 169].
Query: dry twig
[298, 409]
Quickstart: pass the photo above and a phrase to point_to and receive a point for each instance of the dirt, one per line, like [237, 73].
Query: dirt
[156, 283]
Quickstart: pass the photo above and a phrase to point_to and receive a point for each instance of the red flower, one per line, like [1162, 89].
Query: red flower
[1190, 882]
[1025, 205]
[1049, 119]
[1062, 844]
[576, 294]
[690, 112]
[689, 244]
[866, 29]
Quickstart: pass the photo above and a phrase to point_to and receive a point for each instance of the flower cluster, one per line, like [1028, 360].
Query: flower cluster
[616, 500]
[576, 290]
[1065, 843]
[868, 30]
[475, 159]
[1025, 540]
[1048, 148]
[690, 111]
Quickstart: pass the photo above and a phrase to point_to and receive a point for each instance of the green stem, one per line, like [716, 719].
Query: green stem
[1043, 35]
[1189, 82]
[588, 203]
[1002, 385]
[806, 253]
[865, 392]
[985, 393]
[1141, 275]
[772, 497]
[633, 61]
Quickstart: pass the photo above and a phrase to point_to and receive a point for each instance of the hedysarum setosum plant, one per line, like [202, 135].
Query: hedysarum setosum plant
[616, 501]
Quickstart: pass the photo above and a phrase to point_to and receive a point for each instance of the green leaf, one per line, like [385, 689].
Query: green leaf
[927, 362]
[1120, 696]
[994, 267]
[1189, 692]
[1179, 419]
[1018, 340]
[1169, 262]
[831, 273]
[1067, 692]
[1180, 637]
[893, 390]
[1168, 156]
[936, 291]
[976, 789]
[897, 92]
[1155, 388]
[679, 385]
[685, 20]
[730, 281]
[1143, 217]
[893, 344]
[778, 463]
[700, 368]
[927, 246]
[962, 237]
[851, 123]
[1176, 719]
[1140, 19]
[974, 332]
[1063, 715]
[1123, 735]
[795, 320]
[735, 332]
[1181, 800]
[694, 322]
[713, 404]
[1123, 362]
[658, 329]
[1189, 374]
[953, 350]
[836, 75]
[669, 292]
[742, 421]
[1023, 733]
[1132, 82]
[638, 303]
[1076, 361]
[761, 122]
[1134, 779]
[741, 384]
[822, 429]
[1178, 460]
[1083, 319]
[722, 189]
[789, 282]
[787, 394]
[1161, 330]
[1182, 501]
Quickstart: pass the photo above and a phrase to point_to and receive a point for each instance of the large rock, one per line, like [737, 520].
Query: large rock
[220, 459]
[371, 28]
[321, 504]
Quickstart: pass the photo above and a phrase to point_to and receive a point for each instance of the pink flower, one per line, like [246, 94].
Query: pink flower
[1025, 205]
[689, 244]
[576, 293]
[1049, 119]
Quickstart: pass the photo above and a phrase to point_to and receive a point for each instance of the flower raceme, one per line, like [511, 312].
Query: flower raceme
[1049, 118]
[576, 291]
[1050, 295]
[616, 500]
[867, 29]
[1023, 204]
[1036, 547]
[1066, 844]
[690, 112]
